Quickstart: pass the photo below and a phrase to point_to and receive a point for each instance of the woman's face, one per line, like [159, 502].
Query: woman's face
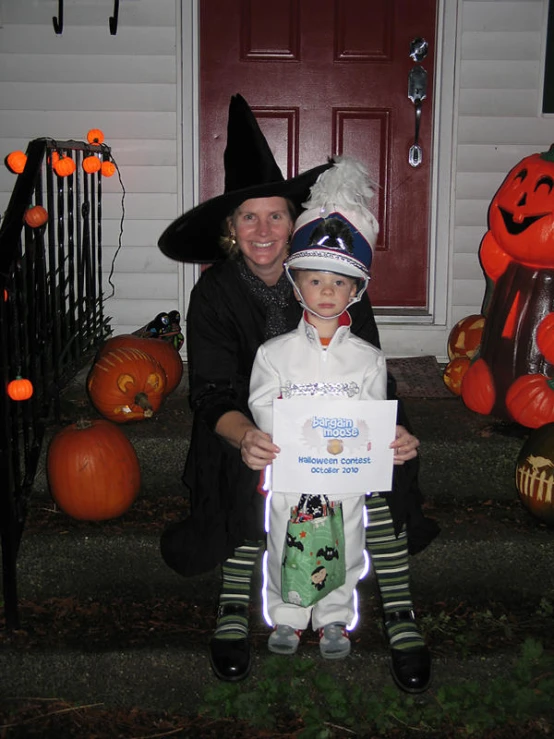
[262, 227]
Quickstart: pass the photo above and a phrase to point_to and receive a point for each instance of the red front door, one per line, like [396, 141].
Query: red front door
[328, 77]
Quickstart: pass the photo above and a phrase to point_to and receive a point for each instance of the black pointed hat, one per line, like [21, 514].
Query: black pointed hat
[250, 172]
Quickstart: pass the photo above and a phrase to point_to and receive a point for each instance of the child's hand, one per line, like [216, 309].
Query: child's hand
[257, 449]
[405, 445]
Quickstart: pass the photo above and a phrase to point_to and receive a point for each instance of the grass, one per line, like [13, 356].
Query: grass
[294, 692]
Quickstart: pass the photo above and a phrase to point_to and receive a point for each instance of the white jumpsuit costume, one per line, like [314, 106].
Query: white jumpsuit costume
[294, 365]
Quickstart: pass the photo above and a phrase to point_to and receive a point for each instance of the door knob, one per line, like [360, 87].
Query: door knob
[418, 49]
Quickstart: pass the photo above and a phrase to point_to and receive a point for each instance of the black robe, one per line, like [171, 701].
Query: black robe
[225, 327]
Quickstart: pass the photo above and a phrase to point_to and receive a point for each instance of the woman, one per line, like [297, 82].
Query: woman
[237, 304]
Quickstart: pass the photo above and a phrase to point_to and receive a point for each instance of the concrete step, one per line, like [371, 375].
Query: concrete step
[463, 455]
[490, 551]
[178, 680]
[104, 619]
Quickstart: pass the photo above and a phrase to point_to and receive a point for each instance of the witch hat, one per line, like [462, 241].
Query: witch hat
[250, 172]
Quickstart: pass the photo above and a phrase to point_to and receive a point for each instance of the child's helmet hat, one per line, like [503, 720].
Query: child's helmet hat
[337, 231]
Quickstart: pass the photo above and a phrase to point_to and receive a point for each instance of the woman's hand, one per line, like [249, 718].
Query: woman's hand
[257, 450]
[405, 445]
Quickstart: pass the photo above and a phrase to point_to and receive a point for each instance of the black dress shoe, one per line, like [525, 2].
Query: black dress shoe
[230, 658]
[410, 668]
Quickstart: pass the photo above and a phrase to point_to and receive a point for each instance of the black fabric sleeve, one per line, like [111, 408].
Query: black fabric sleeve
[213, 350]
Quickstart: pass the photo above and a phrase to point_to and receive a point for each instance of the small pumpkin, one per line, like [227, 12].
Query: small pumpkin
[95, 136]
[91, 164]
[64, 166]
[465, 337]
[478, 391]
[93, 471]
[535, 473]
[163, 351]
[36, 216]
[20, 388]
[530, 400]
[454, 373]
[108, 169]
[16, 161]
[126, 384]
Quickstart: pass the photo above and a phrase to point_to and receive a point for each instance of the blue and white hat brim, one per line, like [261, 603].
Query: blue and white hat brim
[354, 261]
[328, 260]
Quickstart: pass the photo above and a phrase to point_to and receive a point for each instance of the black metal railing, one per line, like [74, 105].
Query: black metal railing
[51, 319]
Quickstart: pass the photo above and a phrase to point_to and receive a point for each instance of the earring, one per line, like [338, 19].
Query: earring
[232, 239]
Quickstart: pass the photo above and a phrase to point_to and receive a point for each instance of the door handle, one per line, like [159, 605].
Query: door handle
[417, 92]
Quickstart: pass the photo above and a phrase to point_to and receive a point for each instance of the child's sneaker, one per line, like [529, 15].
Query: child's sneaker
[284, 639]
[334, 642]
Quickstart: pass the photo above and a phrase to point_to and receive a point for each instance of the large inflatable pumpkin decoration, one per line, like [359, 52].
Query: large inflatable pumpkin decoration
[510, 376]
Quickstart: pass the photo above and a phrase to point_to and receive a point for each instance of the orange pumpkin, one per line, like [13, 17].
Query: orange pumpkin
[126, 384]
[465, 337]
[16, 161]
[530, 400]
[535, 473]
[91, 164]
[20, 388]
[36, 216]
[108, 169]
[454, 373]
[93, 471]
[545, 337]
[521, 214]
[163, 351]
[478, 391]
[64, 166]
[95, 136]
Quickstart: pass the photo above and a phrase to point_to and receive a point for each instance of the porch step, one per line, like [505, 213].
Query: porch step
[105, 620]
[60, 557]
[463, 455]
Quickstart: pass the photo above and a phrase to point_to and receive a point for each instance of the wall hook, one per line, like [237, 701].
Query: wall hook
[58, 22]
[114, 18]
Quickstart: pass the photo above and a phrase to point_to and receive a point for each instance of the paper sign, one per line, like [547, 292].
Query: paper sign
[333, 446]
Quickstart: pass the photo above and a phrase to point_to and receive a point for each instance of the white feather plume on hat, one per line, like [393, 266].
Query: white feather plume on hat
[346, 187]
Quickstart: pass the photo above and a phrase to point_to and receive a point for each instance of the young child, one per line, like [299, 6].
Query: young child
[328, 266]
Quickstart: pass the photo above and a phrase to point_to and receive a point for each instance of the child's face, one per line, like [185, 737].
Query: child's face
[326, 293]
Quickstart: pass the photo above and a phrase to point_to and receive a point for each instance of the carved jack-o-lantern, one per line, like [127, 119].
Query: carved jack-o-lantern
[162, 351]
[126, 384]
[465, 337]
[454, 373]
[535, 473]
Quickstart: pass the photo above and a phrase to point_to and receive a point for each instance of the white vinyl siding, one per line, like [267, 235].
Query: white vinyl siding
[60, 86]
[498, 123]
